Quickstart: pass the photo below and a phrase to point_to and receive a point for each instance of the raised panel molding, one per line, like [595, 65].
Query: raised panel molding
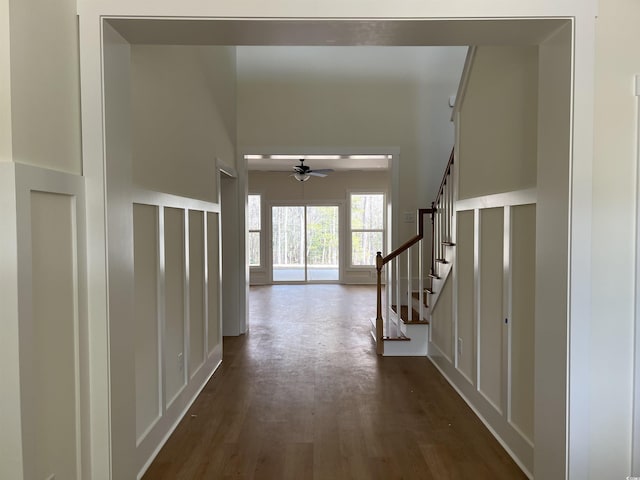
[146, 267]
[54, 336]
[52, 356]
[490, 329]
[174, 301]
[176, 262]
[197, 333]
[492, 312]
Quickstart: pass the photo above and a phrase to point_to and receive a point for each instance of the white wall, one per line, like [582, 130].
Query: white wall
[5, 82]
[354, 97]
[45, 97]
[183, 104]
[498, 122]
[279, 187]
[614, 220]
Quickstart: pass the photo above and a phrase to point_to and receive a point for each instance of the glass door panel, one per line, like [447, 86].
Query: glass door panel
[288, 227]
[322, 243]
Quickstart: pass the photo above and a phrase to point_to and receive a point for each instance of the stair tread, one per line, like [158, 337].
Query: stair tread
[442, 260]
[396, 339]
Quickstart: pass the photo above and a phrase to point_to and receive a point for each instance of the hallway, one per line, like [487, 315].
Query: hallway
[303, 396]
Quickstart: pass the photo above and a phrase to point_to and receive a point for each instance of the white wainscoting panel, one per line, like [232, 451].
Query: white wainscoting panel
[465, 277]
[196, 291]
[490, 343]
[523, 263]
[55, 349]
[442, 322]
[174, 279]
[147, 327]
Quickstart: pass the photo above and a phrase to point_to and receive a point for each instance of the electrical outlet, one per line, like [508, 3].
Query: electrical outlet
[459, 346]
[180, 361]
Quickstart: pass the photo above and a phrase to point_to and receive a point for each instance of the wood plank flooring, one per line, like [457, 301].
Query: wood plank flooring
[303, 396]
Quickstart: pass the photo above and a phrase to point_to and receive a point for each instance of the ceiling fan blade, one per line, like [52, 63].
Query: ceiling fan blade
[316, 173]
[323, 170]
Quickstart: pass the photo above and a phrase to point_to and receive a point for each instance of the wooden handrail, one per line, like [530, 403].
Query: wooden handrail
[447, 170]
[409, 243]
[402, 248]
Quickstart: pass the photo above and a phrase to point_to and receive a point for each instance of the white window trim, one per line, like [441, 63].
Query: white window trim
[262, 266]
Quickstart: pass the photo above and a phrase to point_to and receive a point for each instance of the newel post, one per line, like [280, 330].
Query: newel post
[379, 344]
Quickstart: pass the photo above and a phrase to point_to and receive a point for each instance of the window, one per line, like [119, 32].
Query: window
[367, 228]
[255, 230]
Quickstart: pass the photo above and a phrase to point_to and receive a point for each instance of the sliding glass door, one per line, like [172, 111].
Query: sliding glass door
[305, 243]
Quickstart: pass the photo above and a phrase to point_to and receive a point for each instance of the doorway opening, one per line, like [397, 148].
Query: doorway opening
[231, 320]
[305, 231]
[126, 28]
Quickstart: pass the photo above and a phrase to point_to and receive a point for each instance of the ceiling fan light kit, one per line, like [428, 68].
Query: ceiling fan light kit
[301, 177]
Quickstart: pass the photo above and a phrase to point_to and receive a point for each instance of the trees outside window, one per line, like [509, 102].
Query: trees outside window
[367, 228]
[255, 229]
[305, 243]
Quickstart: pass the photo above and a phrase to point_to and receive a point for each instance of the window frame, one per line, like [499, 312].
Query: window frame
[342, 240]
[260, 231]
[350, 230]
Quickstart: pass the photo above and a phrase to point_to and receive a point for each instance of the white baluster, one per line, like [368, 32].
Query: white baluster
[398, 290]
[409, 286]
[420, 279]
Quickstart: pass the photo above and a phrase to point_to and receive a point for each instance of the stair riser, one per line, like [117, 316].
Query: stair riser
[417, 347]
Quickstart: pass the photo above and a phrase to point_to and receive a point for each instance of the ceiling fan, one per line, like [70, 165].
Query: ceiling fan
[303, 172]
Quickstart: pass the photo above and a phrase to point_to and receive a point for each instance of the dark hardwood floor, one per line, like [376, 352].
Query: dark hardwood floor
[303, 396]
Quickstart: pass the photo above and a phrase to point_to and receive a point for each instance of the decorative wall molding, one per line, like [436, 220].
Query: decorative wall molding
[517, 197]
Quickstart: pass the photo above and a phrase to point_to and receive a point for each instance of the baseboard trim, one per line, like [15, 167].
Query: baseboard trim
[483, 420]
[153, 456]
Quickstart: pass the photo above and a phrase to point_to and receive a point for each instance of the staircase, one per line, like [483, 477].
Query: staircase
[401, 326]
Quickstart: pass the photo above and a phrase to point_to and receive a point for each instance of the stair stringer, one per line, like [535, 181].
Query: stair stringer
[443, 271]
